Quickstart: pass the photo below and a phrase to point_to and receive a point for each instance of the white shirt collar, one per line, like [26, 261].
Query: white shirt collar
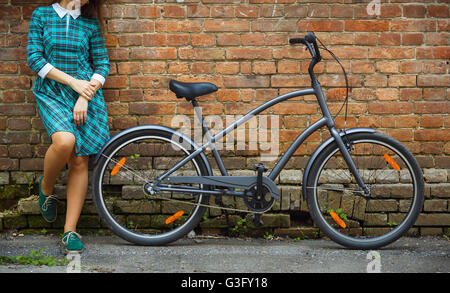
[63, 11]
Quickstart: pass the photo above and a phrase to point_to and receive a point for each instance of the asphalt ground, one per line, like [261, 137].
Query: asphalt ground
[110, 254]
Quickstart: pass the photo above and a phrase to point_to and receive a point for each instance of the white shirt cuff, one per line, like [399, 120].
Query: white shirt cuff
[43, 72]
[98, 77]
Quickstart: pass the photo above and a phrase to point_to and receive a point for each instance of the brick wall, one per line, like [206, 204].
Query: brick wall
[397, 64]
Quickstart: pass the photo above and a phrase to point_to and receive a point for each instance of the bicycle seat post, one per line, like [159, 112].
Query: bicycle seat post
[205, 130]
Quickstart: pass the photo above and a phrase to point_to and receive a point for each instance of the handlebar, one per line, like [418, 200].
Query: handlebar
[308, 40]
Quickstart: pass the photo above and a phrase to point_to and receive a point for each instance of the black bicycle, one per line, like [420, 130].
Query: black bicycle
[152, 184]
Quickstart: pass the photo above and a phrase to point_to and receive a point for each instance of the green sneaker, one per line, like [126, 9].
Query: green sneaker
[72, 242]
[47, 204]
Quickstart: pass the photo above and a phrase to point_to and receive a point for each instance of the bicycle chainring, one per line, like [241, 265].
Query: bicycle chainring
[256, 204]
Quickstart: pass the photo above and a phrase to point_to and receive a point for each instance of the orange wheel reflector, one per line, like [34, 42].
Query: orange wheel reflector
[391, 162]
[338, 220]
[118, 166]
[174, 217]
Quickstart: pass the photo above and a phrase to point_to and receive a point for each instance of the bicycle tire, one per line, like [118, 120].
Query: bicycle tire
[115, 226]
[382, 240]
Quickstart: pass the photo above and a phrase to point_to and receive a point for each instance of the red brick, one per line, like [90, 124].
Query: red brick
[390, 107]
[434, 66]
[178, 39]
[431, 107]
[154, 53]
[130, 26]
[387, 94]
[433, 53]
[264, 68]
[295, 108]
[202, 53]
[412, 39]
[391, 53]
[150, 11]
[129, 67]
[249, 53]
[387, 66]
[152, 108]
[227, 67]
[406, 121]
[410, 67]
[366, 25]
[389, 39]
[20, 151]
[414, 11]
[320, 25]
[411, 94]
[438, 11]
[410, 25]
[433, 80]
[222, 11]
[19, 124]
[188, 26]
[246, 81]
[15, 82]
[130, 40]
[174, 11]
[124, 122]
[226, 25]
[432, 134]
[203, 40]
[228, 40]
[434, 94]
[197, 11]
[431, 121]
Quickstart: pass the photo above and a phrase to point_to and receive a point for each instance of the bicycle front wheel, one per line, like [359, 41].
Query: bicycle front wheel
[119, 178]
[341, 210]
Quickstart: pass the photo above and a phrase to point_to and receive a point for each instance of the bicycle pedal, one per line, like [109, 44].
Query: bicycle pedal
[260, 168]
[257, 221]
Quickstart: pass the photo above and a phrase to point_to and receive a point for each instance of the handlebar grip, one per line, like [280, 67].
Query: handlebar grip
[297, 41]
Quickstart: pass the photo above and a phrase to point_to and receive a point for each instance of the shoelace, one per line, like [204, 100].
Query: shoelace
[49, 200]
[70, 234]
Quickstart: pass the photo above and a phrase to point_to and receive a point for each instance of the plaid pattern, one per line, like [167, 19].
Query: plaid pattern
[49, 43]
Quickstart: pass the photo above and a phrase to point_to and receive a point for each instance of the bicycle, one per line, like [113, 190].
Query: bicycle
[363, 188]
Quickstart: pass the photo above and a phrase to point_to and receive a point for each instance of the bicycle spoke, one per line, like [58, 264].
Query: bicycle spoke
[362, 218]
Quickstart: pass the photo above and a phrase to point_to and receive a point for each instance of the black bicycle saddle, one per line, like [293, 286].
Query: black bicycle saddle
[191, 90]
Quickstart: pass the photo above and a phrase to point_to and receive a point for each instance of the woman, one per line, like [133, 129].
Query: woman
[62, 39]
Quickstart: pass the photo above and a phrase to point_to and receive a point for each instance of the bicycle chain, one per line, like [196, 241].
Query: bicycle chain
[208, 206]
[176, 200]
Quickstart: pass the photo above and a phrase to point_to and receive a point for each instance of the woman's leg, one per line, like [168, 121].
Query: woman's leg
[77, 184]
[56, 157]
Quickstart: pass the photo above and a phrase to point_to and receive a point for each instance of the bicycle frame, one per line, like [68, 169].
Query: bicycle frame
[248, 181]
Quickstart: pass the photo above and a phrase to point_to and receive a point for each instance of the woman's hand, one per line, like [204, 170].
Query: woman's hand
[95, 83]
[85, 88]
[80, 111]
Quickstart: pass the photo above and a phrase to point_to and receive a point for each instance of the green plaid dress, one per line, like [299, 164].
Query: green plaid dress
[70, 42]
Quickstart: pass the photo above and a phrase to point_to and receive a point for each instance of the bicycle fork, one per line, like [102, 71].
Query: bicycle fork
[348, 159]
[342, 147]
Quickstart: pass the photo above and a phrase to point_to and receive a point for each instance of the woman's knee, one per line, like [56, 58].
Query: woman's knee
[63, 141]
[78, 162]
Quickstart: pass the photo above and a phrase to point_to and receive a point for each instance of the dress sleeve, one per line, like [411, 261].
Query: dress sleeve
[99, 55]
[35, 47]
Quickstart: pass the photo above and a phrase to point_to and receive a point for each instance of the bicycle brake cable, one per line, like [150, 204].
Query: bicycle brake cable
[346, 83]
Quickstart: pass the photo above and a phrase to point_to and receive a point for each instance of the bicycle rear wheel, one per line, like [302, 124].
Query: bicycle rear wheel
[119, 178]
[341, 210]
